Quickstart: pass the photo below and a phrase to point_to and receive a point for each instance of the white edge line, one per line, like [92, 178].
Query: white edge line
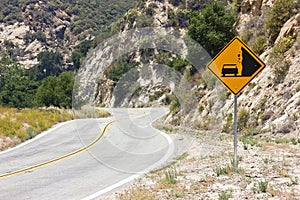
[139, 174]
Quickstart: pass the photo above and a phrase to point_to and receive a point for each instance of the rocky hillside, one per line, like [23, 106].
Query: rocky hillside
[197, 100]
[271, 28]
[268, 118]
[29, 27]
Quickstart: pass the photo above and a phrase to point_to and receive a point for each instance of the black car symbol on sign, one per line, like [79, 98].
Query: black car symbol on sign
[229, 69]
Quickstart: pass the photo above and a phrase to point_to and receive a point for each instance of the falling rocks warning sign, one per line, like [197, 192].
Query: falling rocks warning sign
[236, 65]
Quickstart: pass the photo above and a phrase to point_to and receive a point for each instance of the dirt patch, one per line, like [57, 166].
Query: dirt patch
[8, 142]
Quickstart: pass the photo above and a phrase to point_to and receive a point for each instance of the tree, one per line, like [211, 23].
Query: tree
[16, 89]
[18, 92]
[46, 95]
[279, 14]
[178, 64]
[213, 28]
[50, 65]
[64, 89]
[56, 91]
[85, 46]
[76, 59]
[117, 72]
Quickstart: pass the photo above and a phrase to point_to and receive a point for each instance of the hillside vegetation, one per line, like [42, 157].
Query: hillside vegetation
[19, 125]
[82, 15]
[54, 37]
[29, 27]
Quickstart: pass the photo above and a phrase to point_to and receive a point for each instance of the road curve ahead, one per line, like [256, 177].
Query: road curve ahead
[85, 158]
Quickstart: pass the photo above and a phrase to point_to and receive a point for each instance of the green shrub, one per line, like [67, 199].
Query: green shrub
[175, 105]
[282, 141]
[229, 168]
[40, 36]
[222, 170]
[176, 2]
[171, 176]
[243, 119]
[259, 45]
[209, 79]
[213, 28]
[143, 21]
[295, 181]
[122, 68]
[263, 186]
[294, 141]
[200, 108]
[283, 45]
[179, 64]
[251, 131]
[280, 13]
[229, 123]
[248, 140]
[30, 133]
[280, 70]
[225, 195]
[149, 11]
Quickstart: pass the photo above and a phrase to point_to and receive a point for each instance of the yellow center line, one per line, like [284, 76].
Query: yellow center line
[30, 168]
[103, 134]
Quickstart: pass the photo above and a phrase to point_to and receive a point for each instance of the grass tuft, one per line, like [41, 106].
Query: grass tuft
[137, 193]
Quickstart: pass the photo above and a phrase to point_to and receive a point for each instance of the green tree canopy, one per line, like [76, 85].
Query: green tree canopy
[16, 89]
[213, 28]
[279, 14]
[122, 68]
[56, 91]
[46, 92]
[50, 65]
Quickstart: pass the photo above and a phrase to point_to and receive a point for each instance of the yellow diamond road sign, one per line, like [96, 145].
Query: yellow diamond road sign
[236, 65]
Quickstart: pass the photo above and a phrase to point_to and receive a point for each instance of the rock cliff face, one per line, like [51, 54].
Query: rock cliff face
[275, 104]
[25, 42]
[150, 83]
[271, 102]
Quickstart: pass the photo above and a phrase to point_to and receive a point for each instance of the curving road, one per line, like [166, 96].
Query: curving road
[83, 159]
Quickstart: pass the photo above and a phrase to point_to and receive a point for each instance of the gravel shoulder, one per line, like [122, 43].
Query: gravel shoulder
[268, 168]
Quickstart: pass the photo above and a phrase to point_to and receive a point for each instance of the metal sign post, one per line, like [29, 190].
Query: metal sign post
[235, 134]
[235, 66]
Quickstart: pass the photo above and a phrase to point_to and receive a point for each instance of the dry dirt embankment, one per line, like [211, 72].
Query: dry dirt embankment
[267, 169]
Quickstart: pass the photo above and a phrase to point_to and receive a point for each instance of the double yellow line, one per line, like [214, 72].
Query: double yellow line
[103, 133]
[30, 168]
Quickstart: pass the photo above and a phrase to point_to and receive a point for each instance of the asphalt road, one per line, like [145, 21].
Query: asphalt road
[85, 158]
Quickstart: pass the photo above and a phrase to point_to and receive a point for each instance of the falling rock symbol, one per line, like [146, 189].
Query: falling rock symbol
[250, 65]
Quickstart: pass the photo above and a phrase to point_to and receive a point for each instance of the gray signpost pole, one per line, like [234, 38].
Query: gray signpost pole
[221, 69]
[235, 134]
